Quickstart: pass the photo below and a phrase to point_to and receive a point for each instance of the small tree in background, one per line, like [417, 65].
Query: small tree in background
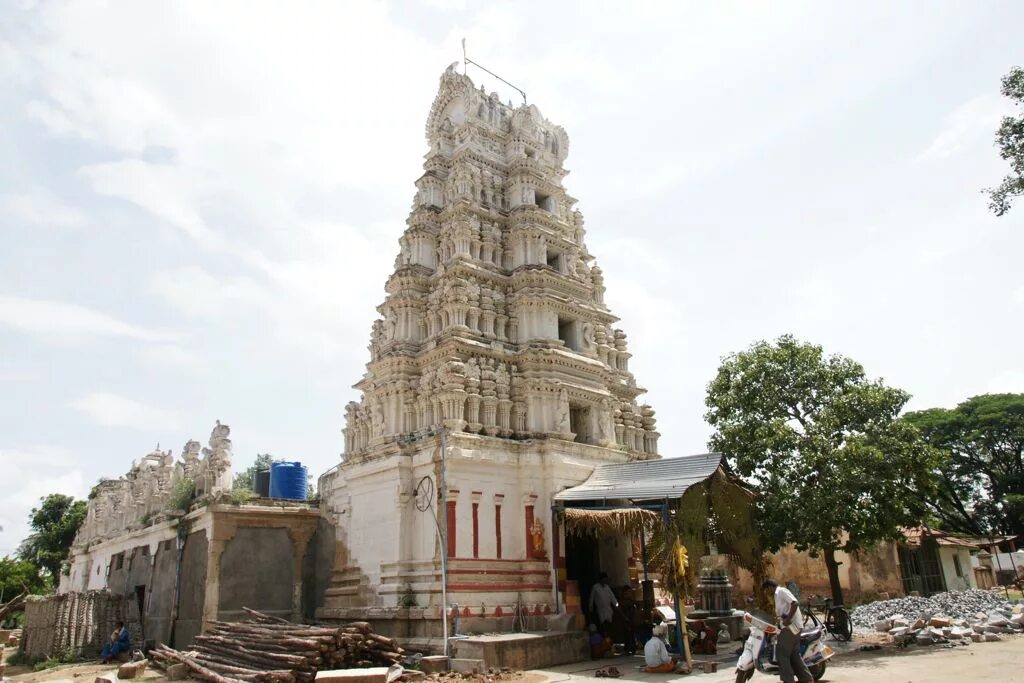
[54, 525]
[246, 479]
[18, 575]
[833, 466]
[1010, 141]
[981, 481]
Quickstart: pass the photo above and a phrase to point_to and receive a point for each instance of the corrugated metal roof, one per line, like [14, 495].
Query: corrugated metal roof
[644, 479]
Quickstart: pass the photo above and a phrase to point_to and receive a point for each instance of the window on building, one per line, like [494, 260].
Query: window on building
[119, 561]
[544, 201]
[956, 566]
[555, 260]
[568, 334]
[579, 423]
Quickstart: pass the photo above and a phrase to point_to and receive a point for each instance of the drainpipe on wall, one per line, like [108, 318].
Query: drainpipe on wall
[444, 542]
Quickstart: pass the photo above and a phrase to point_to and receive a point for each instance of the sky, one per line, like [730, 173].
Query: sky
[200, 203]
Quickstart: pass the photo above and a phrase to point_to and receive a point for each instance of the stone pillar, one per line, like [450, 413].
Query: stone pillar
[220, 532]
[300, 546]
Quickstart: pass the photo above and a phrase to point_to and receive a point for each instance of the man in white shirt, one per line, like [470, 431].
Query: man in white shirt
[787, 647]
[602, 600]
[656, 655]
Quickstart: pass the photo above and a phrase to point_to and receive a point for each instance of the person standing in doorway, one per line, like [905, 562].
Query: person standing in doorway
[602, 602]
[787, 647]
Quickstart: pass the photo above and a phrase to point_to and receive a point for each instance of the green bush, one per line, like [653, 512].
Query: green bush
[239, 496]
[183, 494]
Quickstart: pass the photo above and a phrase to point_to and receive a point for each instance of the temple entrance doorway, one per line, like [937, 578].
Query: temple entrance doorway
[582, 564]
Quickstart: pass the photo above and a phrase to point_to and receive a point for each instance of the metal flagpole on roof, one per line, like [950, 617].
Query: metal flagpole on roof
[466, 61]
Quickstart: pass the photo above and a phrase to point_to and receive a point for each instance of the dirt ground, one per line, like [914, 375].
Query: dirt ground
[1002, 661]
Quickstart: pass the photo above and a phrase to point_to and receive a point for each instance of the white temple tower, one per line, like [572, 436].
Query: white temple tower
[495, 330]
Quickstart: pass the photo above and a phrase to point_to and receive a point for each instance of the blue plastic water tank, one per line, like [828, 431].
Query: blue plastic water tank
[288, 480]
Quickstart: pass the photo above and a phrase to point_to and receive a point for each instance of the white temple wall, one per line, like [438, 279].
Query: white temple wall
[373, 529]
[89, 569]
[614, 553]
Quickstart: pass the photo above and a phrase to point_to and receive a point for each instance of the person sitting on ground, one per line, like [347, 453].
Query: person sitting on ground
[119, 642]
[656, 655]
[600, 644]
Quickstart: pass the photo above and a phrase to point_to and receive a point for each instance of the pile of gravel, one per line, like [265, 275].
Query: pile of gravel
[972, 605]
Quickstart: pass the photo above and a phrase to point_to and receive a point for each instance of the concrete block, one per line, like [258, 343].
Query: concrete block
[130, 670]
[377, 674]
[940, 622]
[461, 666]
[884, 625]
[434, 664]
[990, 637]
[710, 667]
[176, 672]
[977, 637]
[107, 678]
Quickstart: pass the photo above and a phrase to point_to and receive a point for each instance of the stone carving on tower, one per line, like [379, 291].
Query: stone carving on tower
[146, 490]
[494, 321]
[493, 337]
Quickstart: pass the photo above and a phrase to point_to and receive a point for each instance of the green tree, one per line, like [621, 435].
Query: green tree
[54, 525]
[17, 575]
[981, 481]
[1010, 141]
[833, 466]
[246, 478]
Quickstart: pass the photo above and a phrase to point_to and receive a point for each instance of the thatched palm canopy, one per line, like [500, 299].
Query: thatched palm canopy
[598, 523]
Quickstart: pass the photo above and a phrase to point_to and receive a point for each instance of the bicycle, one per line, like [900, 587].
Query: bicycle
[837, 620]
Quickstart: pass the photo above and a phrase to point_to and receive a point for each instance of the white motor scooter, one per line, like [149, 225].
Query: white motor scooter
[759, 650]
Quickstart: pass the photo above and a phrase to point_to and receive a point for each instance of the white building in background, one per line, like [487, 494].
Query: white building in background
[495, 330]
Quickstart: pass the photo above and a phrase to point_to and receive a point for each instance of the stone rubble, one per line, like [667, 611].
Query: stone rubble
[953, 618]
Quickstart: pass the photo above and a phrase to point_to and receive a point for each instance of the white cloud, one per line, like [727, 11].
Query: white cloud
[61, 322]
[31, 472]
[39, 208]
[968, 125]
[111, 410]
[162, 190]
[172, 357]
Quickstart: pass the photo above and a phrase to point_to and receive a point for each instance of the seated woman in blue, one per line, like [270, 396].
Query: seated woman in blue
[118, 643]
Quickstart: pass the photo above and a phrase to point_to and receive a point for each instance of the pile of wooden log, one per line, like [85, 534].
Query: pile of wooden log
[267, 649]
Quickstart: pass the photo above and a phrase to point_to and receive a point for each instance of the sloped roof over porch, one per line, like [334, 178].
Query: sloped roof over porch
[664, 479]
